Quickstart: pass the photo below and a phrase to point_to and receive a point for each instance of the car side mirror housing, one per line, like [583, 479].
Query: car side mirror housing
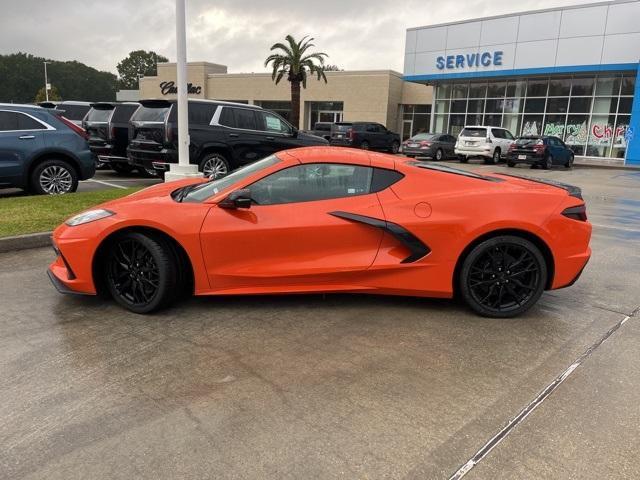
[294, 132]
[237, 199]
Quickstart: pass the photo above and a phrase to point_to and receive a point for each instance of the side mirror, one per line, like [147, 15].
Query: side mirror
[237, 199]
[294, 132]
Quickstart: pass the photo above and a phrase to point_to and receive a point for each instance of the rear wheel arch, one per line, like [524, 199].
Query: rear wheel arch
[221, 149]
[49, 155]
[181, 257]
[533, 238]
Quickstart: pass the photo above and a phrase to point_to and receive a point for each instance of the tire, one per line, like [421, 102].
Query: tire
[439, 154]
[54, 177]
[547, 161]
[122, 168]
[141, 272]
[510, 164]
[147, 172]
[495, 158]
[395, 147]
[569, 163]
[502, 277]
[214, 165]
[364, 145]
[463, 159]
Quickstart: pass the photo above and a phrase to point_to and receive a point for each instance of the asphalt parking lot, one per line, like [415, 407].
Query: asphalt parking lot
[336, 386]
[103, 179]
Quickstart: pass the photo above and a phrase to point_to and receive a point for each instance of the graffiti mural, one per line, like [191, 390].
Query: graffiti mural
[555, 129]
[603, 133]
[530, 128]
[576, 133]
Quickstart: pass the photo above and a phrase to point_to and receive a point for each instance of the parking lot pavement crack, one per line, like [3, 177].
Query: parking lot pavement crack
[537, 401]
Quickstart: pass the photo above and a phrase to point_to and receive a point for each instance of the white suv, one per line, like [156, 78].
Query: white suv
[490, 143]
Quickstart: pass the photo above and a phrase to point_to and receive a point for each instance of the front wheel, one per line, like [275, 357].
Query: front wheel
[141, 273]
[214, 166]
[54, 177]
[503, 276]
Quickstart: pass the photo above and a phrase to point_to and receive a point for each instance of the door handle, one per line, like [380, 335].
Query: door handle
[270, 138]
[234, 135]
[27, 137]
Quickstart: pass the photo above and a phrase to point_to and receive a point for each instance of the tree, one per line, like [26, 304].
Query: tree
[22, 75]
[138, 62]
[332, 68]
[41, 96]
[294, 62]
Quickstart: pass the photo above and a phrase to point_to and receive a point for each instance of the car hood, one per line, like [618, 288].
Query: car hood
[309, 139]
[155, 191]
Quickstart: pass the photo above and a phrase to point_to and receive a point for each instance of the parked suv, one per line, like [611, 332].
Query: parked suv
[490, 143]
[223, 135]
[540, 150]
[365, 135]
[74, 111]
[107, 125]
[42, 151]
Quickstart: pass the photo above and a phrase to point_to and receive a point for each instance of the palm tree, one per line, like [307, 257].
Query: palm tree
[294, 62]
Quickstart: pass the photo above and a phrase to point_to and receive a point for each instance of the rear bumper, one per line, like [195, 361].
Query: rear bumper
[513, 157]
[87, 164]
[475, 151]
[418, 152]
[341, 142]
[159, 160]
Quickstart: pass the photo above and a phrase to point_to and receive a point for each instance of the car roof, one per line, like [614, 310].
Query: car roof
[21, 106]
[74, 102]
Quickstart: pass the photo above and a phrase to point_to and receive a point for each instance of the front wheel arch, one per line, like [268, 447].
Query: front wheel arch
[182, 258]
[535, 239]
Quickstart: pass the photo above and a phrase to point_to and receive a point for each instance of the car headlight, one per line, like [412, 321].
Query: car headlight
[89, 216]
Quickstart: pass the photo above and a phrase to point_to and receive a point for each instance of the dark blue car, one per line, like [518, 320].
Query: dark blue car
[41, 151]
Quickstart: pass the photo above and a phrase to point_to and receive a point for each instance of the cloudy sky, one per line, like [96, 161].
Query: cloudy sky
[357, 34]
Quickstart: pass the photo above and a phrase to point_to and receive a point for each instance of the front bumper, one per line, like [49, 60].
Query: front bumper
[71, 271]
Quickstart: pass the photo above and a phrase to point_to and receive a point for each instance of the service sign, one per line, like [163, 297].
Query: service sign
[470, 60]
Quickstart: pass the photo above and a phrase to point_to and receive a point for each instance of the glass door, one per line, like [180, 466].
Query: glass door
[407, 129]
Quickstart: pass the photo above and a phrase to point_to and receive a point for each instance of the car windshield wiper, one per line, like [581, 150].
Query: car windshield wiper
[180, 194]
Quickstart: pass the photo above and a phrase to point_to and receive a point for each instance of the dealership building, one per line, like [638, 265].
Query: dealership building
[381, 96]
[571, 72]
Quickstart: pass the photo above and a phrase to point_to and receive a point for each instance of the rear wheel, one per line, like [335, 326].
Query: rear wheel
[141, 272]
[365, 145]
[122, 168]
[547, 161]
[395, 147]
[496, 156]
[214, 166]
[54, 177]
[510, 164]
[463, 158]
[439, 154]
[569, 163]
[503, 276]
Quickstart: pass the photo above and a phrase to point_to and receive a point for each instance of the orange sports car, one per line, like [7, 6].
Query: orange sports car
[327, 219]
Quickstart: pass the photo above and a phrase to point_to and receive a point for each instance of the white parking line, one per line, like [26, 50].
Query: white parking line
[106, 183]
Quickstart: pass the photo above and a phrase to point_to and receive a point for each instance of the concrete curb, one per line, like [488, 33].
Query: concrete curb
[24, 242]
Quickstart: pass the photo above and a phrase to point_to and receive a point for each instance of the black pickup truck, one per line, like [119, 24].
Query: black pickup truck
[364, 135]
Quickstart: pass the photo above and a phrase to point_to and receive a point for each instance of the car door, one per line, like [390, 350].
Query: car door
[449, 142]
[374, 135]
[557, 150]
[277, 131]
[20, 137]
[293, 234]
[243, 136]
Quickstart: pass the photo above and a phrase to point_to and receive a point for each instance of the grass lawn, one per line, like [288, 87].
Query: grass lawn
[42, 213]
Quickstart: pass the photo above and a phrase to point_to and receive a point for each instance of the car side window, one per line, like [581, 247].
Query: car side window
[200, 113]
[507, 135]
[25, 122]
[373, 128]
[227, 118]
[8, 121]
[245, 118]
[497, 133]
[311, 182]
[273, 123]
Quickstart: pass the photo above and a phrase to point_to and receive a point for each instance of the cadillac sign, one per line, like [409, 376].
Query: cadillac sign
[168, 88]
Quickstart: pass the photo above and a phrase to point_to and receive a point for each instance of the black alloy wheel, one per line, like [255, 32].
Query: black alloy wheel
[395, 147]
[439, 154]
[569, 163]
[364, 145]
[503, 276]
[141, 272]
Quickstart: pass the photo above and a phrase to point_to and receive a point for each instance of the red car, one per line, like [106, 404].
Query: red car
[323, 219]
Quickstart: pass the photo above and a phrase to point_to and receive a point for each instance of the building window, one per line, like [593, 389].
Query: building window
[282, 108]
[324, 112]
[590, 113]
[415, 119]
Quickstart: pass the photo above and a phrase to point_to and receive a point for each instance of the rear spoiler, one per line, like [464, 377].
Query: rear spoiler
[572, 190]
[155, 103]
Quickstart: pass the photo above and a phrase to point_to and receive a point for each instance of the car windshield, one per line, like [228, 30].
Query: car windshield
[99, 115]
[213, 187]
[423, 136]
[527, 140]
[474, 132]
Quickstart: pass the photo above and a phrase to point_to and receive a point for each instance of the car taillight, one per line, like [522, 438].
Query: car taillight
[539, 146]
[112, 132]
[168, 134]
[425, 144]
[576, 213]
[512, 146]
[79, 130]
[350, 134]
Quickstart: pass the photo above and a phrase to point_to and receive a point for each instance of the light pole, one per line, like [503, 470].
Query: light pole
[183, 168]
[46, 82]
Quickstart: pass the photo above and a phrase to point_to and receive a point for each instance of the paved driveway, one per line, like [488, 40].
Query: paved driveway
[336, 386]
